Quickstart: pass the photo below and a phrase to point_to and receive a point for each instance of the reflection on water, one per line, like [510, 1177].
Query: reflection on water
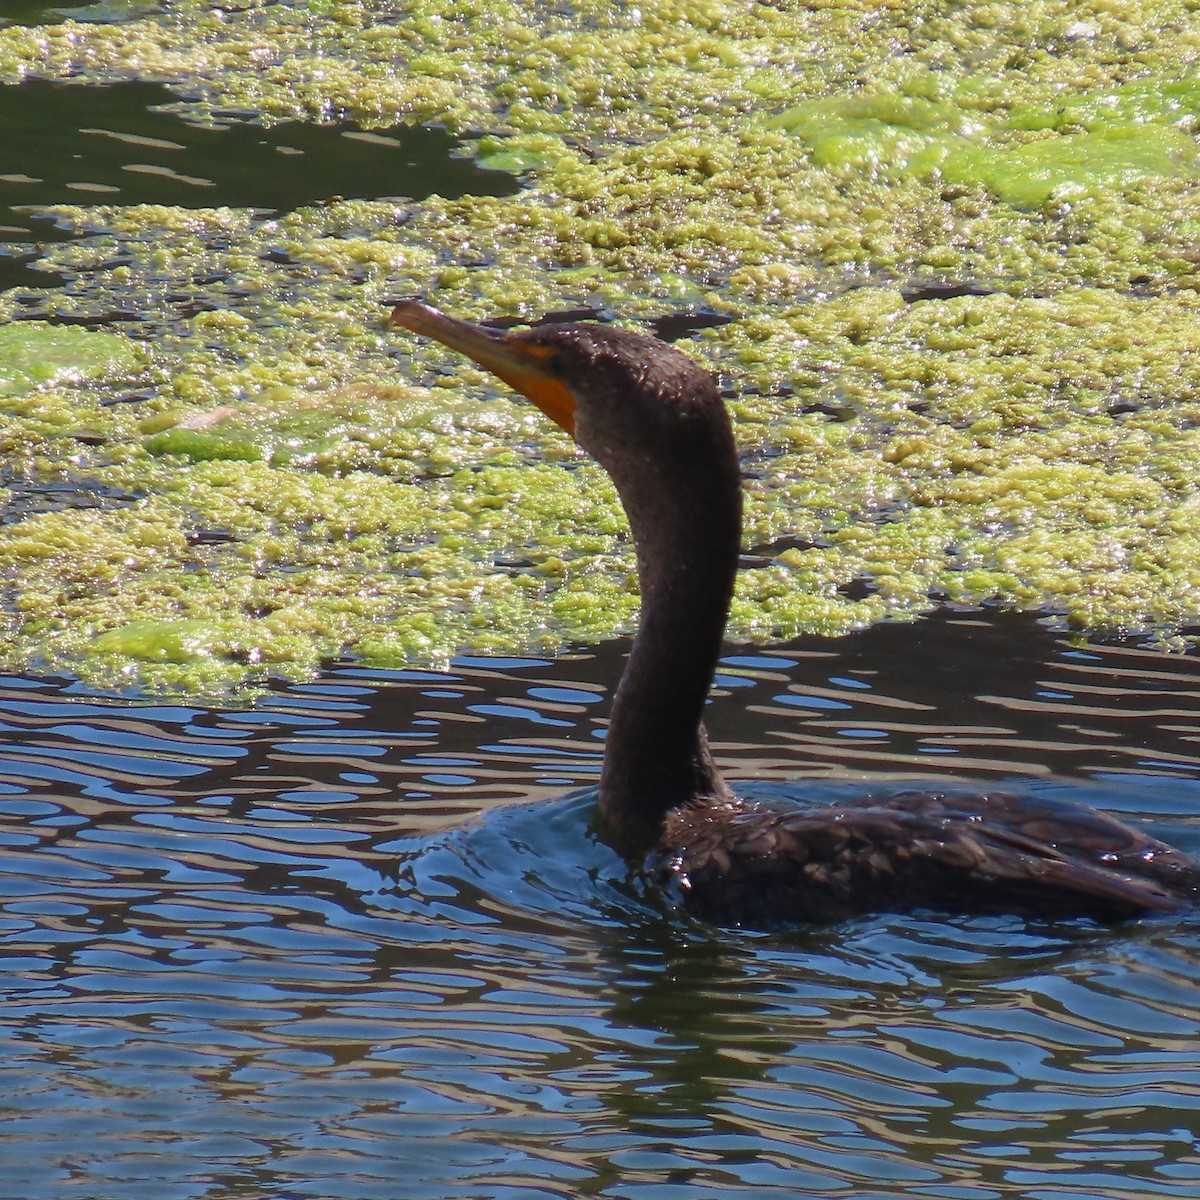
[360, 941]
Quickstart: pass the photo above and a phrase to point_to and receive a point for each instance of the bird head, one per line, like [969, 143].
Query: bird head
[623, 396]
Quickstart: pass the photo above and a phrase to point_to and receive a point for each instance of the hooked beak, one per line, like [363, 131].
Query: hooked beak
[521, 364]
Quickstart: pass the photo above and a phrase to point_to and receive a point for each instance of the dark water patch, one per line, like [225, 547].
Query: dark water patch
[30, 12]
[937, 289]
[104, 12]
[858, 588]
[560, 316]
[21, 234]
[362, 940]
[676, 326]
[671, 327]
[80, 144]
[766, 553]
[28, 498]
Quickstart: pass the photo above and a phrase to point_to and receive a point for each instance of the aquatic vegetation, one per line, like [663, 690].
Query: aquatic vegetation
[959, 243]
[36, 356]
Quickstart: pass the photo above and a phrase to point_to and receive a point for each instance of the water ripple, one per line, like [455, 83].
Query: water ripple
[350, 944]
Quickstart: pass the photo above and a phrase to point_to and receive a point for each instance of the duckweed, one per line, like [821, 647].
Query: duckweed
[958, 241]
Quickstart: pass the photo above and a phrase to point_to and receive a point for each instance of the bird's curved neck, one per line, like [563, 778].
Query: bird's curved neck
[686, 524]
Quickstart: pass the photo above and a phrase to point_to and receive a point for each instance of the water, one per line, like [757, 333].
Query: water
[360, 940]
[32, 12]
[77, 144]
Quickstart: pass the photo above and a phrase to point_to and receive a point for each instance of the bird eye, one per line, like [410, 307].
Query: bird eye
[556, 364]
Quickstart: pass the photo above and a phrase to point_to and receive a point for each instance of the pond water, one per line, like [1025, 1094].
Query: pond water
[31, 12]
[125, 144]
[359, 939]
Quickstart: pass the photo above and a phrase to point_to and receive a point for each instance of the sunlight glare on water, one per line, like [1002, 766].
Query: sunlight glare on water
[360, 940]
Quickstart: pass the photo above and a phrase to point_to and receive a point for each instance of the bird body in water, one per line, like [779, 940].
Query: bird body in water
[655, 421]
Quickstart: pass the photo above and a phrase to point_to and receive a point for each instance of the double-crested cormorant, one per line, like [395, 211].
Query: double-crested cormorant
[656, 422]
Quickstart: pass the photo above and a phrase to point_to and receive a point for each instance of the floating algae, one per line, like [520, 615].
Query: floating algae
[34, 355]
[1069, 166]
[304, 483]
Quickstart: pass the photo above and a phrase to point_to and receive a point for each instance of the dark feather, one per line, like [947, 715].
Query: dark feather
[982, 852]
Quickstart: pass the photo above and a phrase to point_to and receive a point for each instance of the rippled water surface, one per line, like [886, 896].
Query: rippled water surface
[359, 940]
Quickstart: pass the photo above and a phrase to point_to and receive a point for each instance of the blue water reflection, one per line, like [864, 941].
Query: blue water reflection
[362, 940]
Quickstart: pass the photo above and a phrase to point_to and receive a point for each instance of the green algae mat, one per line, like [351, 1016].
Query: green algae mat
[959, 244]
